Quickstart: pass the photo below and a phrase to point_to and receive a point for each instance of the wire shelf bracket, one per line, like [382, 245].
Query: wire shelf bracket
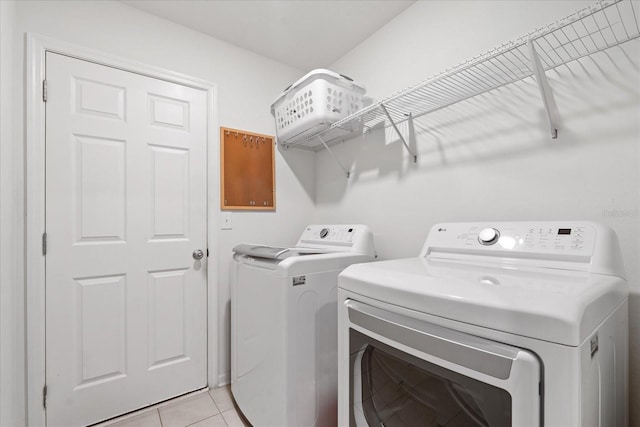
[404, 141]
[324, 144]
[546, 92]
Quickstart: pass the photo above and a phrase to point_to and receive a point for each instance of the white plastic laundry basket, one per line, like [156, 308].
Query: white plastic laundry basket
[312, 104]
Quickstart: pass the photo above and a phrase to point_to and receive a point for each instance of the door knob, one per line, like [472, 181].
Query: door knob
[198, 254]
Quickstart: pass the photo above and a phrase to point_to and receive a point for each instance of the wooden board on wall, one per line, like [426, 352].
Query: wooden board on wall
[247, 170]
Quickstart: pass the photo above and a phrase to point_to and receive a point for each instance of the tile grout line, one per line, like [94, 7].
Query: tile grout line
[151, 408]
[214, 401]
[206, 418]
[212, 416]
[217, 407]
[168, 403]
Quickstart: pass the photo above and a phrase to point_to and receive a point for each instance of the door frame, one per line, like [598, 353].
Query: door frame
[36, 48]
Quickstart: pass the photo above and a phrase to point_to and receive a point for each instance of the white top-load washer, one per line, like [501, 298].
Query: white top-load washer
[494, 324]
[284, 325]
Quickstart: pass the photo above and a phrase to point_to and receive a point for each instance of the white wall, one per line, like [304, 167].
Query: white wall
[247, 84]
[487, 159]
[491, 158]
[11, 383]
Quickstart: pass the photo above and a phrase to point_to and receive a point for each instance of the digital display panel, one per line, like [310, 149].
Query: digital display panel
[564, 231]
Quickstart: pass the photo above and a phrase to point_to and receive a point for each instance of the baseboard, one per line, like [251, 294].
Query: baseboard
[224, 379]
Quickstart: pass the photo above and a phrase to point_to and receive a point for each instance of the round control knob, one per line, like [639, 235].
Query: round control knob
[324, 233]
[488, 236]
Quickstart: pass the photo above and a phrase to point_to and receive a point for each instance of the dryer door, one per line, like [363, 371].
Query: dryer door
[404, 371]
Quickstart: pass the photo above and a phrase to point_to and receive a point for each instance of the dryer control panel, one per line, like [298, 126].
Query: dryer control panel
[571, 239]
[583, 245]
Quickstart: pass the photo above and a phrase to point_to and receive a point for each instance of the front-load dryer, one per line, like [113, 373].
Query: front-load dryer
[494, 324]
[284, 325]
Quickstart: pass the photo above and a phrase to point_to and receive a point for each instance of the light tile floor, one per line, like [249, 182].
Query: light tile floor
[212, 408]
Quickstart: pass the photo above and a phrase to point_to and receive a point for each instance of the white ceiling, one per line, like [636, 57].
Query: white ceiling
[305, 34]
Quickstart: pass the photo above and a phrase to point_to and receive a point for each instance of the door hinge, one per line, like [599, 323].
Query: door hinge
[44, 90]
[44, 396]
[44, 243]
[207, 252]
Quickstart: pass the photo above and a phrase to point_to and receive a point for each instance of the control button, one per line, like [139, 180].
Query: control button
[488, 280]
[324, 233]
[488, 236]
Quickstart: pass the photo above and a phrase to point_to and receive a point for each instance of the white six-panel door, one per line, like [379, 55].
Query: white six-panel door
[125, 210]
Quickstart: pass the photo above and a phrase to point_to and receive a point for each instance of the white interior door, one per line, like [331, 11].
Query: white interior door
[125, 210]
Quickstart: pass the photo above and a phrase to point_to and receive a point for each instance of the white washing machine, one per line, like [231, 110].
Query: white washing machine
[494, 324]
[284, 325]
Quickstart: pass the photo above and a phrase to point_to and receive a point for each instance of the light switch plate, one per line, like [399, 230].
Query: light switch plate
[225, 221]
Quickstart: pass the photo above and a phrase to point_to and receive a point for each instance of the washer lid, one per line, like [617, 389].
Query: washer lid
[274, 252]
[559, 306]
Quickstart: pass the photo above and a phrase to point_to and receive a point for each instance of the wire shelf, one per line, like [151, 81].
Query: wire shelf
[606, 24]
[596, 28]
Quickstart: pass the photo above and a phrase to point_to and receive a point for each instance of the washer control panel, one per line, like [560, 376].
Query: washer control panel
[356, 238]
[329, 234]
